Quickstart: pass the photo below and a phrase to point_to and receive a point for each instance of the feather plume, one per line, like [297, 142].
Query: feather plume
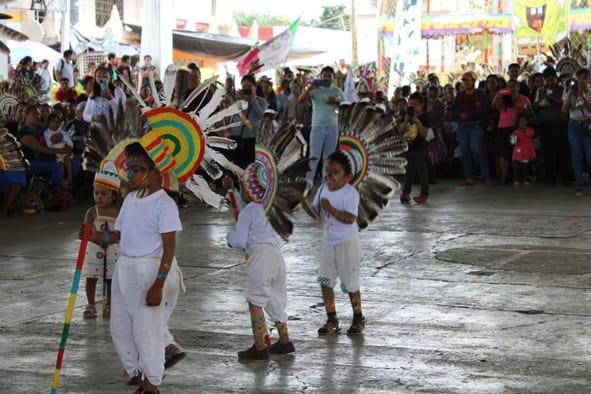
[211, 106]
[11, 34]
[198, 90]
[232, 110]
[168, 82]
[4, 49]
[200, 188]
[155, 93]
[220, 142]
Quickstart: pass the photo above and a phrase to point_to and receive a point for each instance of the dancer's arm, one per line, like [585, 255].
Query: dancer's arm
[341, 216]
[154, 296]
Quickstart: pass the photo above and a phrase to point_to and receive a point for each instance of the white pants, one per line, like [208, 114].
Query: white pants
[341, 261]
[138, 330]
[266, 288]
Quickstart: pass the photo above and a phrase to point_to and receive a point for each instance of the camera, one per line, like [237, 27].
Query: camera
[321, 83]
[574, 85]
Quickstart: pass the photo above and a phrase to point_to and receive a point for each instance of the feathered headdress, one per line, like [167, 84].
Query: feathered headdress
[373, 146]
[276, 178]
[189, 136]
[11, 155]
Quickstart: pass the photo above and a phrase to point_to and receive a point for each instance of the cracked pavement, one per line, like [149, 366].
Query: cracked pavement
[482, 290]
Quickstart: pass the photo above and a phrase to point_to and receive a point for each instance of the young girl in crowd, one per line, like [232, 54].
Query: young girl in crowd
[56, 138]
[102, 253]
[524, 150]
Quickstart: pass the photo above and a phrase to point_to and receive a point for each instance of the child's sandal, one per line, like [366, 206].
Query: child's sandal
[173, 355]
[89, 312]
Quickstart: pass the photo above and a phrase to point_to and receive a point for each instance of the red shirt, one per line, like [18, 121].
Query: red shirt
[65, 95]
[468, 102]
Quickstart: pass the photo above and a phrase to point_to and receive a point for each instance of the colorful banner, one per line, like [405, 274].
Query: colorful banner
[271, 54]
[542, 19]
[406, 54]
[436, 26]
[580, 19]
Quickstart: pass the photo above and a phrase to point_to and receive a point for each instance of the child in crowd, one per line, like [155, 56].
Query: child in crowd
[146, 270]
[336, 204]
[415, 128]
[265, 269]
[65, 93]
[102, 252]
[56, 138]
[524, 150]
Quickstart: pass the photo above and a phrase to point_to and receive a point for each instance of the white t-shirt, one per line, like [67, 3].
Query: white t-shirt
[141, 222]
[66, 69]
[252, 229]
[344, 199]
[66, 140]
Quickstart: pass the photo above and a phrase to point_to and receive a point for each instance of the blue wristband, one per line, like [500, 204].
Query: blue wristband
[161, 276]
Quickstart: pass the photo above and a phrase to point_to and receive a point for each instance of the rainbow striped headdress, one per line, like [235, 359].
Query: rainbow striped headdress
[158, 151]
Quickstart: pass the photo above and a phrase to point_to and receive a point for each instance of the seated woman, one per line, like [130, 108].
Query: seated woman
[41, 158]
[12, 174]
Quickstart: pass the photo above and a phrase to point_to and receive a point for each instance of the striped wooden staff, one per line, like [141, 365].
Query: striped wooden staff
[70, 309]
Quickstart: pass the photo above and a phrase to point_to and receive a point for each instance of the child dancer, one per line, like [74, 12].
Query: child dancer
[56, 138]
[102, 218]
[336, 203]
[524, 150]
[147, 226]
[265, 269]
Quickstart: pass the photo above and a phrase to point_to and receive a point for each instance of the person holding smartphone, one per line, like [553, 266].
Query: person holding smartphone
[324, 135]
[251, 118]
[577, 103]
[105, 100]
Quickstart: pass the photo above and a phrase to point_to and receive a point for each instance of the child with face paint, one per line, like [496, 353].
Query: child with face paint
[146, 271]
[336, 204]
[265, 268]
[102, 218]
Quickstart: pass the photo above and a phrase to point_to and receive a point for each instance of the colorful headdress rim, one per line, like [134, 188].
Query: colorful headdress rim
[260, 180]
[183, 137]
[107, 176]
[356, 152]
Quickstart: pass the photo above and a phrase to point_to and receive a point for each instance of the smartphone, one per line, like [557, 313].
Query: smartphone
[410, 111]
[104, 85]
[245, 92]
[321, 83]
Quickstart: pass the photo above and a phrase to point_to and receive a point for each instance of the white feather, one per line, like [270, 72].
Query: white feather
[168, 82]
[220, 142]
[212, 105]
[155, 93]
[199, 187]
[232, 110]
[198, 90]
[222, 161]
[228, 126]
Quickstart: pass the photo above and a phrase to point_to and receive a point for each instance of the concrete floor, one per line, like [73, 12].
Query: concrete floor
[483, 290]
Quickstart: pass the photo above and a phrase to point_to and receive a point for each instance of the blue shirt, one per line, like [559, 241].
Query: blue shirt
[323, 114]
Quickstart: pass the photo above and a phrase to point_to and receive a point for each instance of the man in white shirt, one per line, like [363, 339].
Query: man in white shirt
[65, 68]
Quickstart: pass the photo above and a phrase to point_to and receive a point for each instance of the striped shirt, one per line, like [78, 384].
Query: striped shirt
[577, 106]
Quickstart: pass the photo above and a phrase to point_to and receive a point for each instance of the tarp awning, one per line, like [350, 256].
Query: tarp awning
[221, 47]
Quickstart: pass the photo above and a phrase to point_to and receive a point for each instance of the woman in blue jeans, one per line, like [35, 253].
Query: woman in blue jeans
[577, 102]
[324, 135]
